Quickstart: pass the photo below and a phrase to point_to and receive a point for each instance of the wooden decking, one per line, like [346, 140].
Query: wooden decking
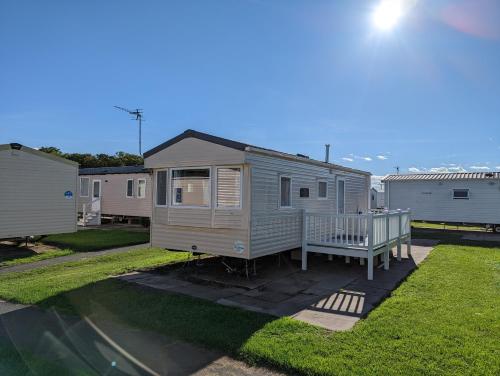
[364, 236]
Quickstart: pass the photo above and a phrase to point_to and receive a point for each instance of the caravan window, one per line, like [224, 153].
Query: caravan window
[322, 189]
[191, 187]
[285, 192]
[130, 187]
[141, 188]
[84, 187]
[461, 194]
[161, 188]
[228, 187]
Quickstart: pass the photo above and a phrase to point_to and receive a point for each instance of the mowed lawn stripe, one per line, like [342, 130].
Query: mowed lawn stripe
[34, 286]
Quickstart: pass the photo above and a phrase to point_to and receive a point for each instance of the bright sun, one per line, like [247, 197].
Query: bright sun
[387, 14]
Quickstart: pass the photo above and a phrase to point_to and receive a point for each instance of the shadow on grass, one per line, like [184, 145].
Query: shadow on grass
[96, 239]
[454, 237]
[112, 323]
[10, 252]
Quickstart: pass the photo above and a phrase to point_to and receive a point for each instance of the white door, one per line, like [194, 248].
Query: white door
[96, 195]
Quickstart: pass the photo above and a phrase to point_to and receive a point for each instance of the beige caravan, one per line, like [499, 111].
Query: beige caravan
[229, 198]
[37, 192]
[114, 192]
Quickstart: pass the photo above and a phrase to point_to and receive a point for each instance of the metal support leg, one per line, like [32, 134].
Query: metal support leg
[330, 257]
[399, 249]
[254, 267]
[361, 261]
[347, 259]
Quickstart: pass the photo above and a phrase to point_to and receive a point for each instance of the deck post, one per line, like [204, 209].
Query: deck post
[304, 240]
[387, 239]
[370, 246]
[399, 234]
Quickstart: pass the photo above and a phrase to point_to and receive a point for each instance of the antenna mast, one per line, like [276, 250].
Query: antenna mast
[138, 116]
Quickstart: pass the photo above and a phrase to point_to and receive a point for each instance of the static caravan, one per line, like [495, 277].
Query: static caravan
[114, 192]
[228, 198]
[472, 198]
[37, 193]
[377, 199]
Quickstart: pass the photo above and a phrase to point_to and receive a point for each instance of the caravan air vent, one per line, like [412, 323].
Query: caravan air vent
[302, 156]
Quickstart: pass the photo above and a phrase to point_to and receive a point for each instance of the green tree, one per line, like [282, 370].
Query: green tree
[120, 158]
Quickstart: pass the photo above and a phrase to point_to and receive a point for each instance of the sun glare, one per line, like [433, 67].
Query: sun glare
[387, 14]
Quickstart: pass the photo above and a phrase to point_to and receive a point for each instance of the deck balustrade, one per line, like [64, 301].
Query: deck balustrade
[357, 235]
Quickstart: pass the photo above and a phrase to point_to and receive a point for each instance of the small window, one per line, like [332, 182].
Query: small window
[161, 188]
[304, 192]
[285, 192]
[96, 188]
[322, 189]
[461, 194]
[130, 188]
[84, 187]
[228, 187]
[141, 188]
[191, 187]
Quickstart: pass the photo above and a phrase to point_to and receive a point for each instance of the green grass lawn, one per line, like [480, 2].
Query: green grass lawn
[445, 319]
[94, 240]
[34, 286]
[37, 257]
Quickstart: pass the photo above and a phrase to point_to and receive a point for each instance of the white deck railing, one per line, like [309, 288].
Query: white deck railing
[357, 232]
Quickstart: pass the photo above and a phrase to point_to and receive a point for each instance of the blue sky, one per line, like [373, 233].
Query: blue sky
[288, 75]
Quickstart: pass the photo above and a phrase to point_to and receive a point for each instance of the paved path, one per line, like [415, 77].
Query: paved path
[102, 347]
[73, 257]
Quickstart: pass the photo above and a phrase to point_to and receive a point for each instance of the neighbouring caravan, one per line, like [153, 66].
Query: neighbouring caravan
[377, 199]
[472, 197]
[229, 198]
[114, 192]
[37, 192]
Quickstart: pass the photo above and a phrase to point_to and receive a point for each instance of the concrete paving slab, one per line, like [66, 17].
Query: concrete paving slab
[331, 294]
[327, 320]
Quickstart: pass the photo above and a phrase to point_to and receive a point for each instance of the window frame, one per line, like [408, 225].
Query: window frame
[171, 179]
[216, 179]
[126, 188]
[88, 186]
[339, 179]
[460, 198]
[326, 189]
[137, 190]
[100, 188]
[166, 188]
[279, 192]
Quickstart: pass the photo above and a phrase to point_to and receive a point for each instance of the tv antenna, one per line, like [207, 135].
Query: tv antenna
[138, 116]
[397, 170]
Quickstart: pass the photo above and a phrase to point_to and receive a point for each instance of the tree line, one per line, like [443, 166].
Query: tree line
[97, 160]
